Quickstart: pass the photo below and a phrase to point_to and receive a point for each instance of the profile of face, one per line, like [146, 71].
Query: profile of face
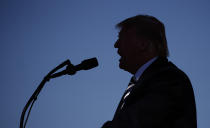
[129, 48]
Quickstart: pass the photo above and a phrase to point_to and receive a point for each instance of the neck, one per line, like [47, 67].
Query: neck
[139, 64]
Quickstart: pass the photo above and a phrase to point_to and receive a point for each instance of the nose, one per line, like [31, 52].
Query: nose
[116, 45]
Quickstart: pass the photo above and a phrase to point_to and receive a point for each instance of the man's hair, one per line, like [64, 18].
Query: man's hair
[150, 28]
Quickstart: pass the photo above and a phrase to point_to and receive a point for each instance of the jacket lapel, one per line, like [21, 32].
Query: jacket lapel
[157, 66]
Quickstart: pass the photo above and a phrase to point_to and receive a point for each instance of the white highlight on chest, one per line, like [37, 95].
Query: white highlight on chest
[127, 94]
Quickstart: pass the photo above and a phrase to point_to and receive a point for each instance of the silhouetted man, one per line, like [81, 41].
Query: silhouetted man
[159, 94]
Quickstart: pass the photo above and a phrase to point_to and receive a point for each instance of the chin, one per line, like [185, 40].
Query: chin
[125, 67]
[122, 66]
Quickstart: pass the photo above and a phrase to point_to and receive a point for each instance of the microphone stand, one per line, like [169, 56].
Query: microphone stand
[39, 88]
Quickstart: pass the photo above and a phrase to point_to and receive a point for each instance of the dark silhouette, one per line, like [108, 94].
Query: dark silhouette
[159, 94]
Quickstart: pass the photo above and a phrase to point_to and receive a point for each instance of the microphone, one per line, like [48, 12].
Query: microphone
[87, 64]
[71, 69]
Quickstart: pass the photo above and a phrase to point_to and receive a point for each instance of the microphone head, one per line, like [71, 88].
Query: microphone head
[89, 63]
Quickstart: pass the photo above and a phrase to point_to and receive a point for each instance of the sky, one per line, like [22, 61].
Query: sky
[38, 35]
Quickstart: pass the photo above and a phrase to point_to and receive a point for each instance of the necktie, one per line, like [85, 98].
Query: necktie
[128, 90]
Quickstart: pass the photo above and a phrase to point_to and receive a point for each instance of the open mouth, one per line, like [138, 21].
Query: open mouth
[119, 53]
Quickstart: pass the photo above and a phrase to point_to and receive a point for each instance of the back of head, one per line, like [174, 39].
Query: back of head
[149, 28]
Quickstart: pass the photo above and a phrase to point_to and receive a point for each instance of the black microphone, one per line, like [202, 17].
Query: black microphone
[71, 69]
[87, 64]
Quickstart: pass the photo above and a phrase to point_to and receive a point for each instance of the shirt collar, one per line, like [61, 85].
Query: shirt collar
[143, 68]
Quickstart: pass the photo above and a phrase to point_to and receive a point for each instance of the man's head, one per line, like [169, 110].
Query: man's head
[140, 39]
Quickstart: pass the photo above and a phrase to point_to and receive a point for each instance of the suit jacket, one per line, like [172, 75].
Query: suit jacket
[162, 98]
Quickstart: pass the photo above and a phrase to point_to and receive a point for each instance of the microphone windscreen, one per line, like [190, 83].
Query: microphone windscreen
[89, 63]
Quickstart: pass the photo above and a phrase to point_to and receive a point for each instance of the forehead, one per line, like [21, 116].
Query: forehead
[127, 32]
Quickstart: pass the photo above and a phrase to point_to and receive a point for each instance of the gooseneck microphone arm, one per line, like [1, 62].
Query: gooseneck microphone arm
[70, 70]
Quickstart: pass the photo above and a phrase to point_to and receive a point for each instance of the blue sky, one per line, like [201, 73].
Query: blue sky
[36, 36]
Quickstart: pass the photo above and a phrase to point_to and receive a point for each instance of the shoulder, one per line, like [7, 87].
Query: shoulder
[170, 72]
[164, 70]
[164, 74]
